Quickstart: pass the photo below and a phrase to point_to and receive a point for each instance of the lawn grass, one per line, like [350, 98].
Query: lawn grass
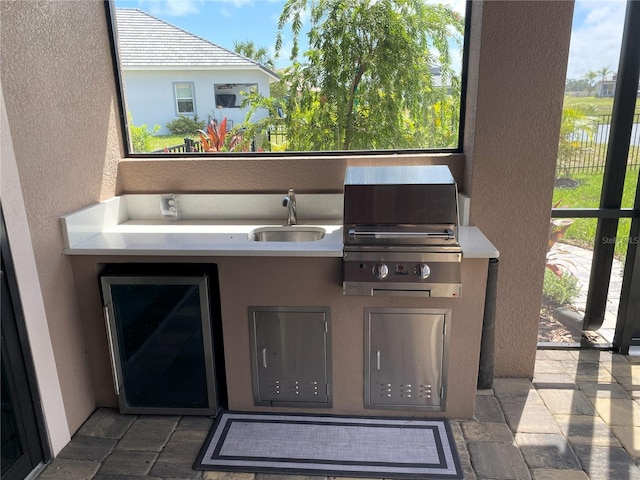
[587, 195]
[158, 142]
[603, 105]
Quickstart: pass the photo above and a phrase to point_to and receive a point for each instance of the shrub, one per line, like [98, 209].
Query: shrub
[578, 120]
[560, 290]
[141, 137]
[218, 139]
[184, 125]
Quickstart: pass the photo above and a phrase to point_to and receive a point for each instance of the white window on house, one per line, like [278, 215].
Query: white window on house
[185, 104]
[231, 95]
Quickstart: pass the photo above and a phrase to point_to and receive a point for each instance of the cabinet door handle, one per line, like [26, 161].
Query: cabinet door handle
[264, 357]
[378, 360]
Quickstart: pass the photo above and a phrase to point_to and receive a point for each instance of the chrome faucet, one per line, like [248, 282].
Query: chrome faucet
[290, 202]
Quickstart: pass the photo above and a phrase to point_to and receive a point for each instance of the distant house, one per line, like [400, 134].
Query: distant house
[606, 88]
[168, 72]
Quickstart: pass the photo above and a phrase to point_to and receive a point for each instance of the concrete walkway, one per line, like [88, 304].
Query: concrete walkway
[578, 261]
[578, 419]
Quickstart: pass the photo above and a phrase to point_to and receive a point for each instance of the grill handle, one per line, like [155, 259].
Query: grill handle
[353, 233]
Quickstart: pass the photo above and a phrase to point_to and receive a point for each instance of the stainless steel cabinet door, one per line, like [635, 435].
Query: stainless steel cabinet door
[290, 351]
[404, 358]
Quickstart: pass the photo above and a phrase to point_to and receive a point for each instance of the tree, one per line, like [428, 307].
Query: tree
[603, 72]
[590, 76]
[258, 54]
[573, 85]
[579, 120]
[368, 78]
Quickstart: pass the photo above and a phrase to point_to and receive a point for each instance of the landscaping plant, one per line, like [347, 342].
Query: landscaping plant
[353, 88]
[578, 120]
[184, 125]
[560, 291]
[560, 286]
[141, 137]
[217, 138]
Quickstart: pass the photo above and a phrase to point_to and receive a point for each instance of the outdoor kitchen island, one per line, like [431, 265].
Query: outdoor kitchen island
[266, 277]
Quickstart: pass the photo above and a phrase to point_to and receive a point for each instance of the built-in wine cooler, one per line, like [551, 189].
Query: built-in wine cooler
[164, 332]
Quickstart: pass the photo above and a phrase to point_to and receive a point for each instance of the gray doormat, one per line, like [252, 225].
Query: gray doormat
[330, 445]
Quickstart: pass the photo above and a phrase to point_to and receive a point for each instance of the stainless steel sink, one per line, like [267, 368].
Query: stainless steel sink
[299, 233]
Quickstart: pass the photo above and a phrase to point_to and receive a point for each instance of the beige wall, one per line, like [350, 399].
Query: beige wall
[60, 99]
[517, 86]
[59, 90]
[31, 301]
[263, 281]
[320, 175]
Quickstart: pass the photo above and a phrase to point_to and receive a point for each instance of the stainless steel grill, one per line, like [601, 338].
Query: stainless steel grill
[401, 232]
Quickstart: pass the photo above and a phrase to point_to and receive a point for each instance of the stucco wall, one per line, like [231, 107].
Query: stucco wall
[31, 301]
[59, 89]
[262, 174]
[516, 79]
[278, 281]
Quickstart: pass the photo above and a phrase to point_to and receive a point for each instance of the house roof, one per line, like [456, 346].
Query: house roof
[147, 41]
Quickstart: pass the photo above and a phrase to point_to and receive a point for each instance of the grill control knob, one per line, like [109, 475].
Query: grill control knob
[422, 270]
[380, 270]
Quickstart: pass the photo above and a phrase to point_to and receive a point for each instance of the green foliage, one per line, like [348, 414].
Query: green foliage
[590, 77]
[258, 128]
[257, 54]
[604, 106]
[141, 137]
[560, 290]
[588, 81]
[574, 85]
[577, 120]
[185, 125]
[217, 138]
[355, 87]
[159, 142]
[603, 72]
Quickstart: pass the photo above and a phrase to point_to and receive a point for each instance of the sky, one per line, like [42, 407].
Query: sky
[595, 38]
[224, 22]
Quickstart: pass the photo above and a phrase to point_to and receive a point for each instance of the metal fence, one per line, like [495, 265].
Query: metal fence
[191, 146]
[188, 146]
[588, 156]
[590, 152]
[277, 135]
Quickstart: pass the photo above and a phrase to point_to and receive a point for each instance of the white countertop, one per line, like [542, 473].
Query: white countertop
[197, 239]
[132, 225]
[474, 244]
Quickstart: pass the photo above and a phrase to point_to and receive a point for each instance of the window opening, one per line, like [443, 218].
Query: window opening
[322, 77]
[184, 98]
